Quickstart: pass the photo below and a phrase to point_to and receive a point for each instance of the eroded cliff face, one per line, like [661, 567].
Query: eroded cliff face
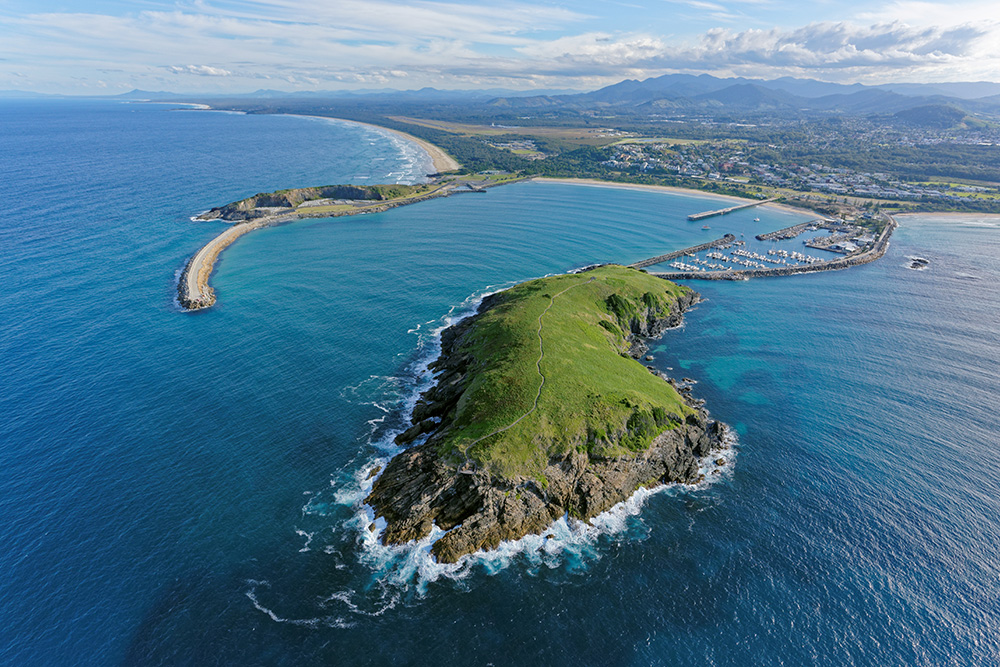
[264, 204]
[421, 488]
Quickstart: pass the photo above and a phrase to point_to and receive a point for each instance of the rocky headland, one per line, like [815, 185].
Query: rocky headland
[602, 425]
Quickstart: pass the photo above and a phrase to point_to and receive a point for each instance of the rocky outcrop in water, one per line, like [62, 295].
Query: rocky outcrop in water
[420, 488]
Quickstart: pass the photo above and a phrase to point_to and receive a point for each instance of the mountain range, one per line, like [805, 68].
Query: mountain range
[680, 93]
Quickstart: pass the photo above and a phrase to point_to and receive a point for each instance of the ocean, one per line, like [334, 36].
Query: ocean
[184, 488]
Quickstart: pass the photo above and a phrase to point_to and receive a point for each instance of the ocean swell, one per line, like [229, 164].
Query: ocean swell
[377, 577]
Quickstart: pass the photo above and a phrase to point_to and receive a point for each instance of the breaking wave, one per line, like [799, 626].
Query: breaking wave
[377, 577]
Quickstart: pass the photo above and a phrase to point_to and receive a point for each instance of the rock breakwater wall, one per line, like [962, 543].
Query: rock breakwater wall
[875, 252]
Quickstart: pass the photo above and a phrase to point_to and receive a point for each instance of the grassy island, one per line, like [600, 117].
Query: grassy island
[572, 333]
[541, 410]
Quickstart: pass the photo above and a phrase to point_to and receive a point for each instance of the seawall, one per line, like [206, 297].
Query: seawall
[193, 290]
[659, 259]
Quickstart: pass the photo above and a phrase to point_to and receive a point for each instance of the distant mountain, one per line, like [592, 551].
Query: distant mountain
[684, 93]
[811, 87]
[751, 97]
[23, 95]
[867, 101]
[966, 91]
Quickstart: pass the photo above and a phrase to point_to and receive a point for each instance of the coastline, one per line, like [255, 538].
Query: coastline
[955, 215]
[593, 182]
[193, 290]
[442, 161]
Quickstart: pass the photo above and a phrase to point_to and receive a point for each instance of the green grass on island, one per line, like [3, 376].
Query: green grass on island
[595, 397]
[294, 197]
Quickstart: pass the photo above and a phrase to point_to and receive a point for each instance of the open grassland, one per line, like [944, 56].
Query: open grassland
[332, 208]
[665, 140]
[572, 330]
[580, 136]
[492, 179]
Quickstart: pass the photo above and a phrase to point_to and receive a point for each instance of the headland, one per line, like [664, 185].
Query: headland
[540, 410]
[330, 201]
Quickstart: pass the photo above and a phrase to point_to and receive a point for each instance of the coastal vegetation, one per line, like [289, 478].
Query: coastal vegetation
[873, 155]
[261, 204]
[574, 332]
[540, 410]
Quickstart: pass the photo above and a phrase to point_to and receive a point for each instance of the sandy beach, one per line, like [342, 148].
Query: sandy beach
[442, 161]
[958, 216]
[730, 199]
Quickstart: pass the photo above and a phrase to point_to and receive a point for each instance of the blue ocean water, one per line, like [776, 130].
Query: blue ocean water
[183, 488]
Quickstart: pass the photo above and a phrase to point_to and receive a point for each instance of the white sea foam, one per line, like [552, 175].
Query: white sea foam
[567, 543]
[309, 539]
[328, 621]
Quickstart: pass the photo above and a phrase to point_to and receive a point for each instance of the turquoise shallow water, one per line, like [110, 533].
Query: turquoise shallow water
[181, 488]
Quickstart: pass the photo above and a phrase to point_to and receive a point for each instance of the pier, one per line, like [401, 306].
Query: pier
[791, 232]
[723, 211]
[659, 259]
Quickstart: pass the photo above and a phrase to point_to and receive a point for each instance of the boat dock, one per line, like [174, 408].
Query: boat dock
[793, 231]
[722, 211]
[659, 259]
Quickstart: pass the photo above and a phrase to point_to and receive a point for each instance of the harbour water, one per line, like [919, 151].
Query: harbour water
[183, 488]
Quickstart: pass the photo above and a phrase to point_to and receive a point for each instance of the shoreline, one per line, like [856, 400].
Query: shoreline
[441, 160]
[194, 292]
[593, 182]
[971, 215]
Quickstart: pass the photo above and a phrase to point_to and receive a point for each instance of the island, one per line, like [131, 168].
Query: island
[542, 410]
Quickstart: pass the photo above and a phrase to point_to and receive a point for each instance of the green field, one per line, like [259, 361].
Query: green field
[332, 208]
[594, 398]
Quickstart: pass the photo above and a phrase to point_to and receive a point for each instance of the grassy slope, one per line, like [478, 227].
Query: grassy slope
[292, 197]
[594, 398]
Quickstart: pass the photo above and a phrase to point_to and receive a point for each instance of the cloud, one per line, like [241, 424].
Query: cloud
[819, 48]
[227, 44]
[200, 70]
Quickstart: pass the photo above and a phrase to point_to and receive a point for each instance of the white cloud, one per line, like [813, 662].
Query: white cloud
[227, 44]
[200, 70]
[820, 49]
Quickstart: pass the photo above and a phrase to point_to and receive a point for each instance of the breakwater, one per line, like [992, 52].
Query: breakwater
[790, 232]
[659, 259]
[723, 211]
[193, 289]
[876, 251]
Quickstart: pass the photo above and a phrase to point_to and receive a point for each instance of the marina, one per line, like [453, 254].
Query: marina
[729, 258]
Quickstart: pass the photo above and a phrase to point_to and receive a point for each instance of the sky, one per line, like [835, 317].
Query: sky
[236, 46]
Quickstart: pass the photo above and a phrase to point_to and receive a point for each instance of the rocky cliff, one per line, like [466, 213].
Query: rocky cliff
[433, 484]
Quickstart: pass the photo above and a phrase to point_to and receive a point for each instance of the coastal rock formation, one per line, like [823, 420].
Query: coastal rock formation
[481, 502]
[267, 204]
